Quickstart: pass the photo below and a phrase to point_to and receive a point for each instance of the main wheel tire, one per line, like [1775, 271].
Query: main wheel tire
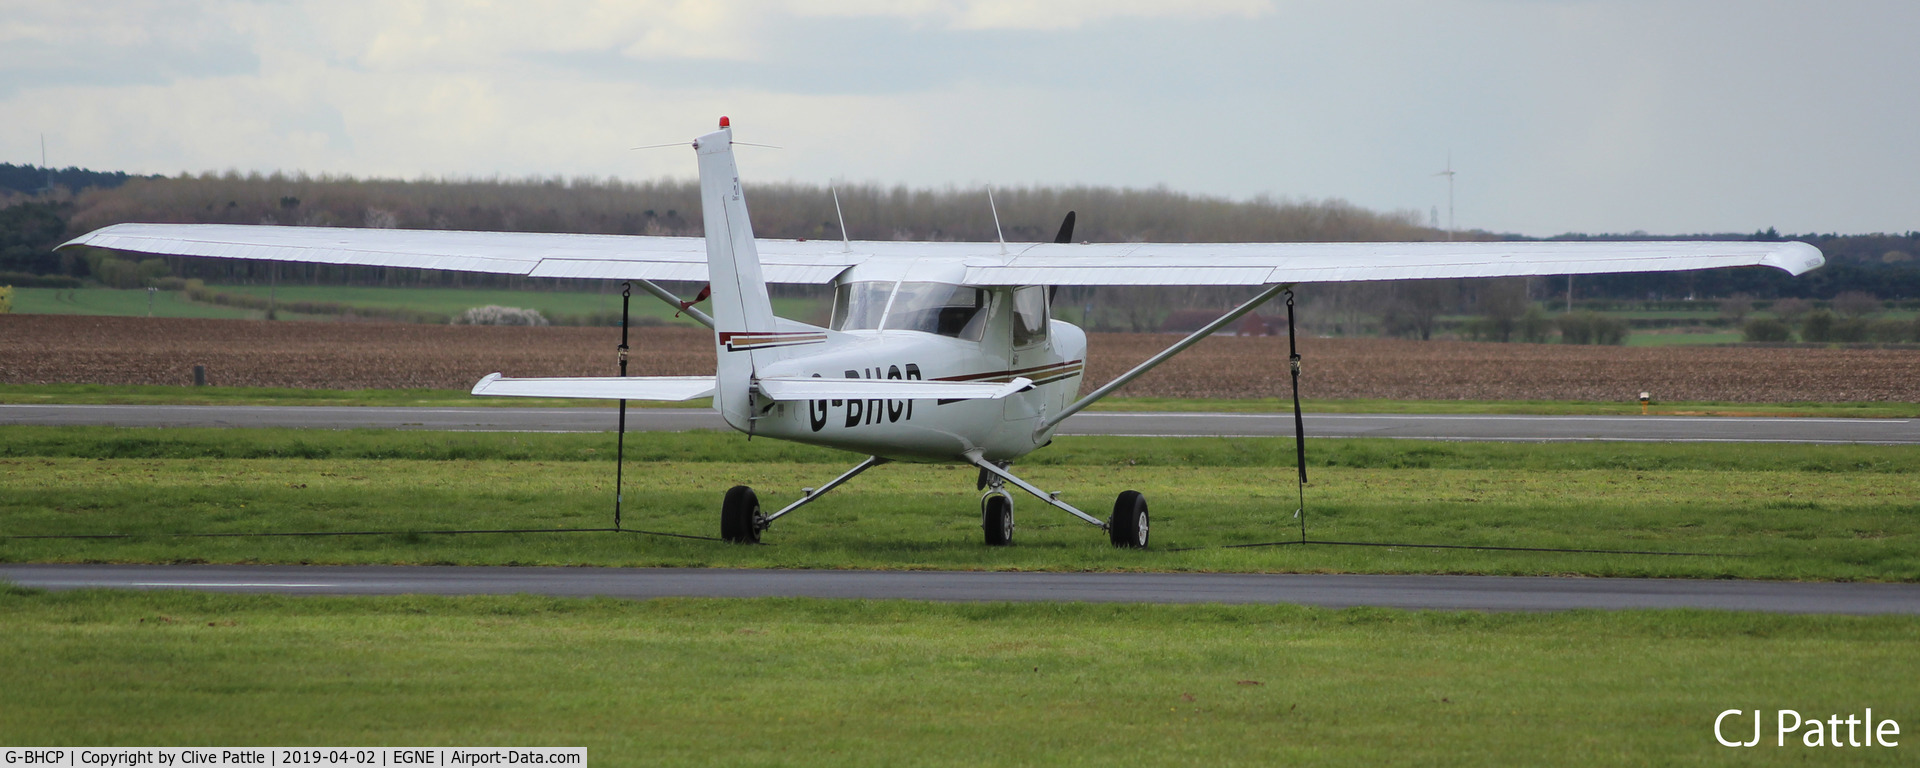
[740, 516]
[1128, 526]
[996, 516]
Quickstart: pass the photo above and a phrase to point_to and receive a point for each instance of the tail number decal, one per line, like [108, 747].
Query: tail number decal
[864, 412]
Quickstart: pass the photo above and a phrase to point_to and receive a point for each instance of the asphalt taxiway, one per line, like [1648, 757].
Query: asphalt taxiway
[1486, 593]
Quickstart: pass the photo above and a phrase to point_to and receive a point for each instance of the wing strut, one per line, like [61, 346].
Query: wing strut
[667, 296]
[1169, 352]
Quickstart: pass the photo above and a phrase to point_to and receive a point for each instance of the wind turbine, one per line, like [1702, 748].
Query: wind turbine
[48, 189]
[1449, 174]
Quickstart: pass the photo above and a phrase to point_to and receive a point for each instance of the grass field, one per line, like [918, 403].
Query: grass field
[805, 682]
[110, 301]
[99, 394]
[1768, 511]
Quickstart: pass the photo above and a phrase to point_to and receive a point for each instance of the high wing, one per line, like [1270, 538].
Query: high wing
[1275, 263]
[637, 257]
[530, 254]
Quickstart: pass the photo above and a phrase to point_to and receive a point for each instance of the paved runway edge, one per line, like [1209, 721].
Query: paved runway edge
[1483, 593]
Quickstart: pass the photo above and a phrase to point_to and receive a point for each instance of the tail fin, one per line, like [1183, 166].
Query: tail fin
[740, 300]
[742, 311]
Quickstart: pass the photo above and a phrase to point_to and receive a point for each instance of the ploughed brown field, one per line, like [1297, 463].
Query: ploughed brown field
[46, 349]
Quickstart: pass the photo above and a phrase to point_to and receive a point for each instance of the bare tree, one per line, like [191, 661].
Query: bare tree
[1736, 307]
[1791, 310]
[1416, 305]
[1501, 302]
[1856, 304]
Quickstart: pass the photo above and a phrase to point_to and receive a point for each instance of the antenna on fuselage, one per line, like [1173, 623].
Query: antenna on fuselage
[844, 240]
[996, 221]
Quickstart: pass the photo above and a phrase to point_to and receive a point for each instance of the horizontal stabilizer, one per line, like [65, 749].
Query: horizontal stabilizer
[887, 389]
[600, 387]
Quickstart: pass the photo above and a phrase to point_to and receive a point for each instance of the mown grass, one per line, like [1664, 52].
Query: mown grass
[97, 394]
[814, 682]
[1877, 410]
[1768, 511]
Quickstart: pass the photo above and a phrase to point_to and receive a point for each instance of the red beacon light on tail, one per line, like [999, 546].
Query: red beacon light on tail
[724, 122]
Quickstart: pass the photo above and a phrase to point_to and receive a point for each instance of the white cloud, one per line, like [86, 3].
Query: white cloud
[1595, 116]
[1028, 15]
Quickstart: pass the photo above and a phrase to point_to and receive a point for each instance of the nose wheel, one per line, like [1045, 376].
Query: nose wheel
[996, 518]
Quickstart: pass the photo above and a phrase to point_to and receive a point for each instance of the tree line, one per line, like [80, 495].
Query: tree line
[1886, 265]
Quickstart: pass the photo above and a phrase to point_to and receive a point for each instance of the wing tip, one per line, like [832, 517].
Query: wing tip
[1796, 257]
[479, 387]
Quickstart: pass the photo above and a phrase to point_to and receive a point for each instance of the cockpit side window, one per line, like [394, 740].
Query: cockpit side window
[859, 306]
[1029, 315]
[958, 311]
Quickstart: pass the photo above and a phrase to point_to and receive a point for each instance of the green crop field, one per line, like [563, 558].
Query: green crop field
[1760, 511]
[1681, 338]
[839, 683]
[111, 301]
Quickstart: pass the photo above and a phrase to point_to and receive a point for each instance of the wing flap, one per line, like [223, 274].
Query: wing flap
[886, 389]
[600, 387]
[535, 254]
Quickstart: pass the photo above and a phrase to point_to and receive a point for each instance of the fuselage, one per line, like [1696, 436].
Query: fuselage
[919, 323]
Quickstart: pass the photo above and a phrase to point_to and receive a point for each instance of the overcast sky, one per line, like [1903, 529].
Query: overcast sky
[1560, 115]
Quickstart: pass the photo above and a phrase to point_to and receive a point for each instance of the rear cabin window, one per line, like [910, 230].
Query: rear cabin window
[1029, 315]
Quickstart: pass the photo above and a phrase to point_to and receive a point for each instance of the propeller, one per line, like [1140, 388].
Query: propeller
[1066, 230]
[1065, 236]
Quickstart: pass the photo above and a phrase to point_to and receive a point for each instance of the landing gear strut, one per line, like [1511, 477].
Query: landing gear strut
[1127, 528]
[741, 520]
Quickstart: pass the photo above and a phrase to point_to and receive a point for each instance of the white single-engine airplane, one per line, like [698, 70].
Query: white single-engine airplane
[936, 352]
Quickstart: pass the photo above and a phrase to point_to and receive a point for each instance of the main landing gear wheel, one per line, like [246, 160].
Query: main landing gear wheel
[740, 519]
[1128, 526]
[996, 516]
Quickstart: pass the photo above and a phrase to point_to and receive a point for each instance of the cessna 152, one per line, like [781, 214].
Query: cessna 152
[936, 352]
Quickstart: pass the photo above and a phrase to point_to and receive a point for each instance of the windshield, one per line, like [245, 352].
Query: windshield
[859, 306]
[948, 310]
